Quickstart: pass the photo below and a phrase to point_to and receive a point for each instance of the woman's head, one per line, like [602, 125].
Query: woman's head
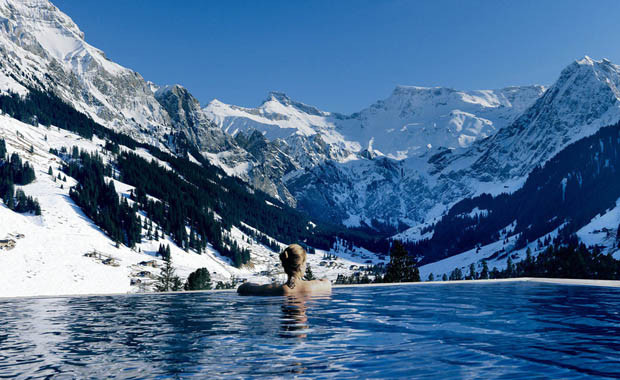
[293, 260]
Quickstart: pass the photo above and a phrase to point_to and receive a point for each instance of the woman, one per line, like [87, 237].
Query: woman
[294, 263]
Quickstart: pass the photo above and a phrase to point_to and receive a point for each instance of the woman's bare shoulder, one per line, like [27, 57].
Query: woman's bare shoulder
[315, 286]
[322, 283]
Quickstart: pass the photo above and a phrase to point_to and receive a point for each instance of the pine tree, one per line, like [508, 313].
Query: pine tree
[11, 202]
[167, 280]
[200, 279]
[402, 266]
[431, 277]
[484, 274]
[309, 276]
[164, 251]
[50, 171]
[37, 208]
[472, 271]
[192, 238]
[495, 273]
[509, 267]
[456, 275]
[177, 284]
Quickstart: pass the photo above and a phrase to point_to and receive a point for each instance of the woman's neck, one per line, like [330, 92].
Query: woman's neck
[292, 280]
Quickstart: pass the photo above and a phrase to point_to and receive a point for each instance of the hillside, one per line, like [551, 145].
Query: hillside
[49, 253]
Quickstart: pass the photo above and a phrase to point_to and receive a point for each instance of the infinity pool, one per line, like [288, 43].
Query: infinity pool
[503, 330]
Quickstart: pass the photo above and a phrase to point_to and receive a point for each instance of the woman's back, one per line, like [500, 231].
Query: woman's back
[294, 263]
[301, 287]
[314, 286]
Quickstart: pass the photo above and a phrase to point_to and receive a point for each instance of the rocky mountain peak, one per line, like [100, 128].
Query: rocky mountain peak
[41, 47]
[584, 98]
[284, 100]
[38, 12]
[279, 97]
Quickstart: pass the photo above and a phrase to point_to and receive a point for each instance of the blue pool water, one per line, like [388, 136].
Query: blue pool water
[504, 330]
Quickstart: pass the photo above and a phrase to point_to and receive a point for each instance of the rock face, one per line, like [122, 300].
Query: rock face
[187, 117]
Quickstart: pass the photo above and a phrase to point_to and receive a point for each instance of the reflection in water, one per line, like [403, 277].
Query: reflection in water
[294, 321]
[448, 332]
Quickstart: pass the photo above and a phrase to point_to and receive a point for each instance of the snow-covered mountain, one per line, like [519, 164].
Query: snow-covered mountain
[41, 47]
[420, 187]
[330, 171]
[585, 98]
[410, 156]
[409, 122]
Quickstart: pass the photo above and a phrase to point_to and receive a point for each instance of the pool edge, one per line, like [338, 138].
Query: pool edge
[554, 281]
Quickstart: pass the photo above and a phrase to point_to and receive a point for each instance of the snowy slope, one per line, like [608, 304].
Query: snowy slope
[496, 255]
[48, 258]
[603, 231]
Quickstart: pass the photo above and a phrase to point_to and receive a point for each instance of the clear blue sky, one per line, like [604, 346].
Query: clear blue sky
[344, 55]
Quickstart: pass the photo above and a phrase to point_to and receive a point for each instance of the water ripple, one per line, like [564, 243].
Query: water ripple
[453, 331]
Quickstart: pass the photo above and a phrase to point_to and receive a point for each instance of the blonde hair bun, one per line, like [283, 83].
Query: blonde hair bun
[293, 258]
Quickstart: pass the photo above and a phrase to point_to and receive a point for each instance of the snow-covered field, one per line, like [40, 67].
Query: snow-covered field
[496, 254]
[49, 253]
[603, 231]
